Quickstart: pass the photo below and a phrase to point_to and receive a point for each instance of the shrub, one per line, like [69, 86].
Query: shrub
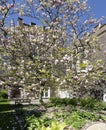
[85, 103]
[55, 125]
[4, 94]
[65, 101]
[77, 118]
[44, 123]
[36, 122]
[104, 106]
[91, 103]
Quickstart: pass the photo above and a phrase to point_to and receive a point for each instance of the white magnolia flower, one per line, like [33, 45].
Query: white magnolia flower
[56, 61]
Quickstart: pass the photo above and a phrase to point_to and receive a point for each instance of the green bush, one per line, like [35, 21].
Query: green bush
[91, 103]
[77, 118]
[104, 106]
[85, 103]
[44, 123]
[33, 122]
[4, 94]
[63, 101]
[55, 125]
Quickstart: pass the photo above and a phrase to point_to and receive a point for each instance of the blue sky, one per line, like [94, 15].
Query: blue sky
[98, 8]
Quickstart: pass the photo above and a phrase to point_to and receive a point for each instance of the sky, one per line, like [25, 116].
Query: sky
[98, 8]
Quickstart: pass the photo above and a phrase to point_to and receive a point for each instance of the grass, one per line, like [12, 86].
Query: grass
[7, 120]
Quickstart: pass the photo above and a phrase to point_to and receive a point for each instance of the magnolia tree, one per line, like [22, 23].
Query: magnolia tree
[54, 52]
[5, 10]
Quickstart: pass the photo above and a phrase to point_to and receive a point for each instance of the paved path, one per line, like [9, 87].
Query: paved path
[96, 126]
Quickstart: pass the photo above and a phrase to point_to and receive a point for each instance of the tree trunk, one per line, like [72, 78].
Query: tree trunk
[41, 99]
[40, 96]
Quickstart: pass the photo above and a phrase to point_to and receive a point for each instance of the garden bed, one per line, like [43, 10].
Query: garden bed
[73, 113]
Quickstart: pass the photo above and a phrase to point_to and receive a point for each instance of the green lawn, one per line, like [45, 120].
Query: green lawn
[7, 118]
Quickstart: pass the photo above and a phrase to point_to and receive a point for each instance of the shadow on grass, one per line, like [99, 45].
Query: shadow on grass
[9, 112]
[6, 107]
[28, 110]
[7, 118]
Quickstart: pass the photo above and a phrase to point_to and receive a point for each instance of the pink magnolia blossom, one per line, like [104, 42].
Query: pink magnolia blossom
[66, 57]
